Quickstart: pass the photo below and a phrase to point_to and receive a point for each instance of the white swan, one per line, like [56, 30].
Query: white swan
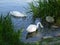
[17, 14]
[33, 28]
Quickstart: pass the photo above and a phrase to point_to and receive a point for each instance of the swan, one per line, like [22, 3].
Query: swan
[49, 19]
[17, 14]
[32, 28]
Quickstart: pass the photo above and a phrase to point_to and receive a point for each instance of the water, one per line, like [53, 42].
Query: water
[6, 6]
[19, 23]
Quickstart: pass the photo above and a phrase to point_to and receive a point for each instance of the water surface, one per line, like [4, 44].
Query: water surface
[18, 5]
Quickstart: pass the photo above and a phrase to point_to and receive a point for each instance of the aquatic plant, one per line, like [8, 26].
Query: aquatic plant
[7, 34]
[41, 9]
[9, 37]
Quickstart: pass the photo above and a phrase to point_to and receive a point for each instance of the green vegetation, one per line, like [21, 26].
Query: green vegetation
[45, 8]
[9, 37]
[54, 40]
[42, 9]
[57, 44]
[7, 34]
[48, 39]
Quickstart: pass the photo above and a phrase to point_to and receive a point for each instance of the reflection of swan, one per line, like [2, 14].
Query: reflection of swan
[33, 28]
[30, 35]
[17, 14]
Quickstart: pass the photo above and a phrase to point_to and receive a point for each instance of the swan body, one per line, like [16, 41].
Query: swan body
[33, 28]
[49, 19]
[17, 14]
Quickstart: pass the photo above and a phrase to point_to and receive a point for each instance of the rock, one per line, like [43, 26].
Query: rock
[54, 26]
[49, 19]
[57, 35]
[47, 37]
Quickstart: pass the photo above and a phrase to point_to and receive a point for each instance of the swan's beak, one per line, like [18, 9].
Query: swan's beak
[42, 26]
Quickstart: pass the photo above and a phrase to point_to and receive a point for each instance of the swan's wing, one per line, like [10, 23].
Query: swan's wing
[17, 14]
[31, 28]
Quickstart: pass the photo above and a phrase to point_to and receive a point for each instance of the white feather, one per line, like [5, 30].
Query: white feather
[33, 28]
[17, 14]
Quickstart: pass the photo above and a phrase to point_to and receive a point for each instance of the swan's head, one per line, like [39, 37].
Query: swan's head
[39, 23]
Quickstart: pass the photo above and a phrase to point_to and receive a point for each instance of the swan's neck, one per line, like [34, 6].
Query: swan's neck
[39, 23]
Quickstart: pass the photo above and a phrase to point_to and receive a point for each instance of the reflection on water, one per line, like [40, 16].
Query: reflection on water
[22, 22]
[19, 23]
[30, 35]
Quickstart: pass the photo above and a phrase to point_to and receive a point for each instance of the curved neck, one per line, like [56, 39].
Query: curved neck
[40, 25]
